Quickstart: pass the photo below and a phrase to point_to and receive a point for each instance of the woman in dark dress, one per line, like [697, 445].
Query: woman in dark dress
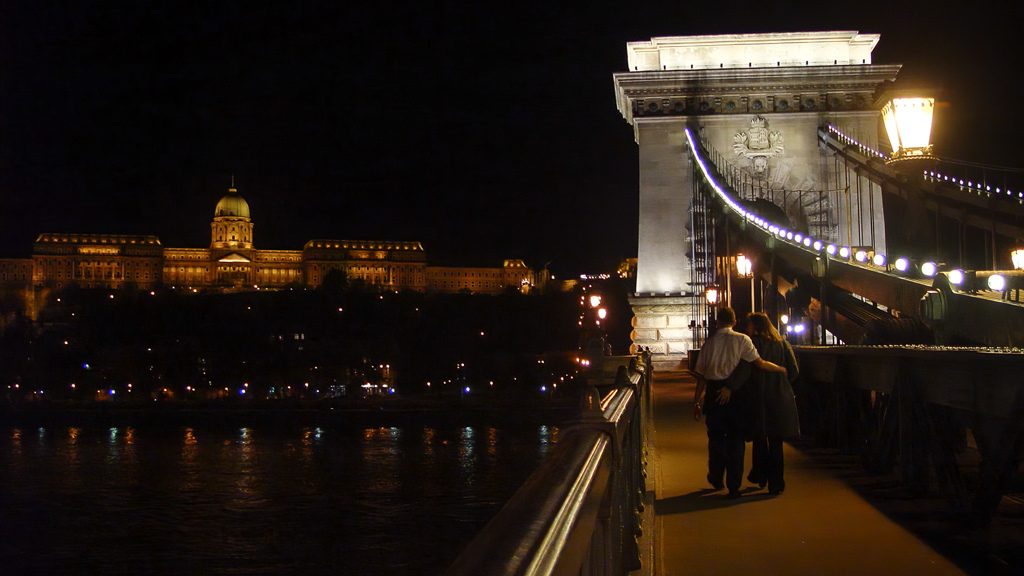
[774, 415]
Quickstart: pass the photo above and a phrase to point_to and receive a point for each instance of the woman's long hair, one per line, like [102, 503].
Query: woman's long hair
[758, 324]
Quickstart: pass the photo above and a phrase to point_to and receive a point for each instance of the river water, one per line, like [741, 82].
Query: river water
[268, 499]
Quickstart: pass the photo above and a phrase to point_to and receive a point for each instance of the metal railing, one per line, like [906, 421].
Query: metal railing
[580, 512]
[910, 406]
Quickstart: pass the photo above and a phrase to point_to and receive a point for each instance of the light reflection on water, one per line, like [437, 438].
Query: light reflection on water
[260, 499]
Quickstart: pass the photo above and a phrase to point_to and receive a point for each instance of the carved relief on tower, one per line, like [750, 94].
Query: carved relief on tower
[757, 144]
[785, 174]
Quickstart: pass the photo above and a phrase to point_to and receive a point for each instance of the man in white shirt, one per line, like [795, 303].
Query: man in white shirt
[720, 372]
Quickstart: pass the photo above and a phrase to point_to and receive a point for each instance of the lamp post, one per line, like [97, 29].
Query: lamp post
[907, 116]
[712, 294]
[745, 269]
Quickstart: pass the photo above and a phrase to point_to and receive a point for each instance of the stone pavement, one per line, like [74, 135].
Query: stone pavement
[818, 526]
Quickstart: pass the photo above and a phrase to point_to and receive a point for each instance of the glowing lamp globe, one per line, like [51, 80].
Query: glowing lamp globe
[956, 277]
[997, 282]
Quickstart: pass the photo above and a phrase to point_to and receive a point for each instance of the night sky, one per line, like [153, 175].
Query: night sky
[484, 130]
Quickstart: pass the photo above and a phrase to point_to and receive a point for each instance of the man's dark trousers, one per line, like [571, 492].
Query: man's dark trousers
[726, 446]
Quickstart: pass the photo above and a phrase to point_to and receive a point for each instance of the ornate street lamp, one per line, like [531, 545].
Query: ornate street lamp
[744, 266]
[745, 269]
[1018, 255]
[711, 295]
[908, 123]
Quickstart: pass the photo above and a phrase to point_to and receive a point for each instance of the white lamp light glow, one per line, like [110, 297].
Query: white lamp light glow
[908, 123]
[743, 266]
[711, 294]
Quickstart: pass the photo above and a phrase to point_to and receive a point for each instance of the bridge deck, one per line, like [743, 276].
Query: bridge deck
[818, 526]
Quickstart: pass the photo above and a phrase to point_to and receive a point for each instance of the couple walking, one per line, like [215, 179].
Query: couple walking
[743, 404]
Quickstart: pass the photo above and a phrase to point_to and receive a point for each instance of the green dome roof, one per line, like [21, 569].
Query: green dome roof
[232, 205]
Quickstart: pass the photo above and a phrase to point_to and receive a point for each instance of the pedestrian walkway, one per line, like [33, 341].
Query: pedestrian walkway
[818, 526]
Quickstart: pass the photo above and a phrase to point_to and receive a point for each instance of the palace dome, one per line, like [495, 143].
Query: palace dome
[232, 205]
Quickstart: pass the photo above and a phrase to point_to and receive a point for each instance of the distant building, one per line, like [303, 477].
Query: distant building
[514, 273]
[233, 262]
[627, 268]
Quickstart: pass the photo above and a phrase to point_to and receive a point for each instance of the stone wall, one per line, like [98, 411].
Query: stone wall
[663, 325]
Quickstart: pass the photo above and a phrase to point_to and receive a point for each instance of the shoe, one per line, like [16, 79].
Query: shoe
[776, 490]
[734, 494]
[716, 485]
[761, 483]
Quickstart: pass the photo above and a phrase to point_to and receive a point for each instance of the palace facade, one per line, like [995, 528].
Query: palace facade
[233, 262]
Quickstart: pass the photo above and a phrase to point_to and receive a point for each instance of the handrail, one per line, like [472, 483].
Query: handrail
[579, 512]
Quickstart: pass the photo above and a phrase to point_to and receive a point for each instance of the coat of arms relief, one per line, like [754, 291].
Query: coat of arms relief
[758, 144]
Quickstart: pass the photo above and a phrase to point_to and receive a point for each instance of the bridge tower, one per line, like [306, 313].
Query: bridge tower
[757, 101]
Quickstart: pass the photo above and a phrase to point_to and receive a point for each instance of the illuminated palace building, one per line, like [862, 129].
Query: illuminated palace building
[233, 262]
